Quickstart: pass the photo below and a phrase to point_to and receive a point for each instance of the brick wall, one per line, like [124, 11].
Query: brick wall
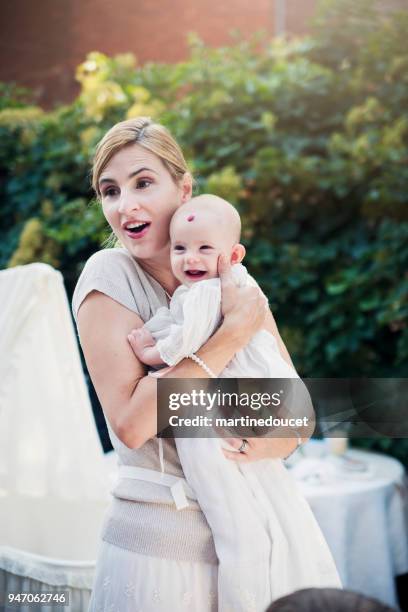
[44, 40]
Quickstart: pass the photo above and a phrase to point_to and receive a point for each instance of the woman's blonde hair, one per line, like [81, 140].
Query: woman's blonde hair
[149, 135]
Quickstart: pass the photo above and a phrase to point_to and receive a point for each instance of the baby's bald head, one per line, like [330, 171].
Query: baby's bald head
[200, 231]
[221, 214]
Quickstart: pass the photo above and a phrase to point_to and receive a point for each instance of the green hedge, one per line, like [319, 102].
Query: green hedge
[308, 137]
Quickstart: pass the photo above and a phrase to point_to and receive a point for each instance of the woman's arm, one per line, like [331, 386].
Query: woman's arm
[274, 447]
[270, 326]
[127, 395]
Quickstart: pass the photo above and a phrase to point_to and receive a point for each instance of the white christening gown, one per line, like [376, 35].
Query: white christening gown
[267, 540]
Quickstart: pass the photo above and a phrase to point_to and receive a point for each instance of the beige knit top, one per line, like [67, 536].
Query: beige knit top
[142, 516]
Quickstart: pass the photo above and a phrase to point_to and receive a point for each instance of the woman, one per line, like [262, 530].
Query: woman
[152, 556]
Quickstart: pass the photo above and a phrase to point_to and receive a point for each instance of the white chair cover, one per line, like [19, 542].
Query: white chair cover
[54, 487]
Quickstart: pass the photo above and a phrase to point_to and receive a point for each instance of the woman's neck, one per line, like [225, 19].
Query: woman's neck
[160, 270]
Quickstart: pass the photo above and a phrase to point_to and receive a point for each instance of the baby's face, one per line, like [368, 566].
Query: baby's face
[196, 243]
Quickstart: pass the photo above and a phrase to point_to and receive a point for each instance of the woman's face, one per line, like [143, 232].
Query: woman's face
[139, 197]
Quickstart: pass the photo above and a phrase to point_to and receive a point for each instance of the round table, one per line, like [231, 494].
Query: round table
[363, 515]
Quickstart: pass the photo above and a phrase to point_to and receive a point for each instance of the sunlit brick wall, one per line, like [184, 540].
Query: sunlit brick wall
[43, 41]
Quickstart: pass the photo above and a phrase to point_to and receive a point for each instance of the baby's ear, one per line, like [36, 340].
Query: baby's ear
[237, 253]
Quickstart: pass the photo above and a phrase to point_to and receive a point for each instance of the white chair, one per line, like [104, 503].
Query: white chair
[54, 480]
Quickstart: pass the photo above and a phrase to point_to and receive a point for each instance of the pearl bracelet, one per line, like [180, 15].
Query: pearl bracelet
[299, 443]
[201, 363]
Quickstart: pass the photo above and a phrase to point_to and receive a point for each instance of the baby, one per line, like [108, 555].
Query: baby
[201, 230]
[267, 540]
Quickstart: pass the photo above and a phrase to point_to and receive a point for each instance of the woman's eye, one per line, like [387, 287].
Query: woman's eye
[143, 183]
[109, 192]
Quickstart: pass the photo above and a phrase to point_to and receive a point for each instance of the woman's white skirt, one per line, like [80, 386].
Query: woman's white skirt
[126, 581]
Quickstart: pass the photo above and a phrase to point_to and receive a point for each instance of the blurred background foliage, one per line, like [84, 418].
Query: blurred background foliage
[307, 137]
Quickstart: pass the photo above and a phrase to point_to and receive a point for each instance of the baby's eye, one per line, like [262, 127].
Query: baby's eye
[206, 246]
[178, 247]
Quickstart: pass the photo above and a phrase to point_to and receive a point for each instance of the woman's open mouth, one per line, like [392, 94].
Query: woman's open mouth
[137, 230]
[195, 274]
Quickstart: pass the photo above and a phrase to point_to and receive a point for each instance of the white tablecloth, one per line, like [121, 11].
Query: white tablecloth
[364, 517]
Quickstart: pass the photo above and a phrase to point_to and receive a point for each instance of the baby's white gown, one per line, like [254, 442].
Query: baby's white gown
[266, 537]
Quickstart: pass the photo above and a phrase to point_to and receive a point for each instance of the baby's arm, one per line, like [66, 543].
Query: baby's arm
[144, 346]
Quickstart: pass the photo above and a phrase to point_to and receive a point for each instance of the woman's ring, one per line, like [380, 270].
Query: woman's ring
[243, 446]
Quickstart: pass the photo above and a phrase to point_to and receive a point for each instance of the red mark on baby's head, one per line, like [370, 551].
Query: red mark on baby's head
[190, 217]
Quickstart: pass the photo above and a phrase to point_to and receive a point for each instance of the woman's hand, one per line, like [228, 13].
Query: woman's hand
[260, 448]
[244, 308]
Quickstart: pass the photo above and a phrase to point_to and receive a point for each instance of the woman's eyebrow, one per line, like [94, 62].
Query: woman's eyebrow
[131, 175]
[106, 180]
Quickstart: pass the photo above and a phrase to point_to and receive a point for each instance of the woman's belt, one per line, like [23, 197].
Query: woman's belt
[179, 487]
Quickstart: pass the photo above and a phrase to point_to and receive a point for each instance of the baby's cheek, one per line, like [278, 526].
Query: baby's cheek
[174, 263]
[214, 268]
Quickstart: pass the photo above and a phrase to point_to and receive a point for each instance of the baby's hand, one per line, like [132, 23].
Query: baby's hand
[139, 340]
